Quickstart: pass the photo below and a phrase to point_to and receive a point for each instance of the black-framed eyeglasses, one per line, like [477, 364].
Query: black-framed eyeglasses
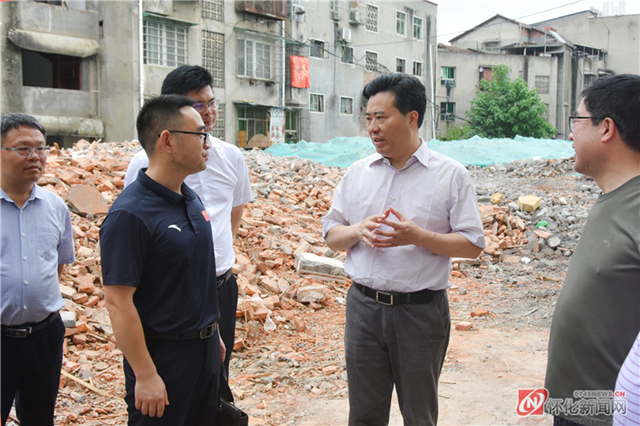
[201, 106]
[573, 118]
[27, 151]
[203, 134]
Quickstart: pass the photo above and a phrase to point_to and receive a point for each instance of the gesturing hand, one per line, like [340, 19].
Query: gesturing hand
[404, 232]
[365, 230]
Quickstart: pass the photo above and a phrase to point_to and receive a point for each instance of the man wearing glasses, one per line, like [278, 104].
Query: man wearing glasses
[37, 240]
[159, 274]
[597, 317]
[223, 187]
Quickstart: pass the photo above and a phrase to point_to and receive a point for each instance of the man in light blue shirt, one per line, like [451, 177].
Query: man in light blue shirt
[37, 240]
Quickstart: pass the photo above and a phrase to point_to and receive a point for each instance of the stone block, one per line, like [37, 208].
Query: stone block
[312, 293]
[314, 264]
[529, 203]
[86, 199]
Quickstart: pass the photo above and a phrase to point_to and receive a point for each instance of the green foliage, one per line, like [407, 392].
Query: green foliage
[457, 133]
[504, 108]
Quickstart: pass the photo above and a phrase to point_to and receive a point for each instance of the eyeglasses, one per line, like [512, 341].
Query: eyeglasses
[201, 106]
[573, 118]
[204, 135]
[27, 151]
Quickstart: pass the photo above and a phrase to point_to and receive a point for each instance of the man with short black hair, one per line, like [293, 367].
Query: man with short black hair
[37, 240]
[597, 317]
[401, 213]
[223, 187]
[159, 275]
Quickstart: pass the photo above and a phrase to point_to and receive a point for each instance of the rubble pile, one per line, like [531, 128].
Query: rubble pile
[292, 288]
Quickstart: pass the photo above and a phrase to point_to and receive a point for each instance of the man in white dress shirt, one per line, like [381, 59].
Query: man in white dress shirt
[401, 213]
[223, 187]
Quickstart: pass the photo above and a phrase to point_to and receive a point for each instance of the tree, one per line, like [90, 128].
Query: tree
[504, 108]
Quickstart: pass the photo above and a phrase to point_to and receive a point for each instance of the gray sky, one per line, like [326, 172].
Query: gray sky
[457, 16]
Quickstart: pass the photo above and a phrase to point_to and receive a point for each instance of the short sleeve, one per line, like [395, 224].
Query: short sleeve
[139, 161]
[124, 242]
[465, 215]
[338, 213]
[242, 193]
[66, 253]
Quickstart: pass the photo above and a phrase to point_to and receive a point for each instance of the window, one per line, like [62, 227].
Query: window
[491, 46]
[213, 56]
[371, 61]
[542, 84]
[255, 59]
[292, 121]
[165, 43]
[49, 70]
[486, 73]
[316, 102]
[334, 7]
[417, 28]
[401, 23]
[448, 76]
[347, 54]
[401, 65]
[212, 9]
[372, 18]
[317, 49]
[253, 121]
[447, 111]
[346, 105]
[417, 68]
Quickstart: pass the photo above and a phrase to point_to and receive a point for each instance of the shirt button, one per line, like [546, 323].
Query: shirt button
[379, 276]
[24, 307]
[24, 235]
[26, 282]
[24, 258]
[382, 249]
[393, 198]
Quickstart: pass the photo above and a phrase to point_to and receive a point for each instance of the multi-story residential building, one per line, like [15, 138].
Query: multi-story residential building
[283, 69]
[558, 57]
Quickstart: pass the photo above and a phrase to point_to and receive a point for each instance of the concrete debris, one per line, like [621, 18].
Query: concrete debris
[529, 203]
[292, 288]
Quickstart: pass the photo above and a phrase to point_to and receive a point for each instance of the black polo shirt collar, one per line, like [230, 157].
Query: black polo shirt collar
[163, 191]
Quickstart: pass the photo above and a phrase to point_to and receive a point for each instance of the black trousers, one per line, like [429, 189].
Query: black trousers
[228, 300]
[190, 370]
[31, 374]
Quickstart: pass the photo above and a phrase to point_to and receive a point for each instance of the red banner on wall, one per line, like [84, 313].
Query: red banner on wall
[299, 72]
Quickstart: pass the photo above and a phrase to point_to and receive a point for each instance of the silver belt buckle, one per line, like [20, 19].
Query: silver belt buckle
[384, 303]
[20, 333]
[208, 330]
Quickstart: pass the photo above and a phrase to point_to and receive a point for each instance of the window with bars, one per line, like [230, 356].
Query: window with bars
[218, 127]
[417, 28]
[212, 9]
[346, 105]
[448, 76]
[542, 84]
[255, 59]
[418, 68]
[401, 23]
[165, 43]
[253, 120]
[317, 49]
[371, 61]
[401, 65]
[372, 18]
[316, 102]
[447, 111]
[213, 56]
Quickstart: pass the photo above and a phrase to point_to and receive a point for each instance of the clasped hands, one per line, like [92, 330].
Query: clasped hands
[403, 232]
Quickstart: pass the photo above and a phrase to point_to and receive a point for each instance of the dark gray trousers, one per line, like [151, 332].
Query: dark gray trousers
[401, 345]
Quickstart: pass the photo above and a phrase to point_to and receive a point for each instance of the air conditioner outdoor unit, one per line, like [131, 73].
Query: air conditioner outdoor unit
[345, 34]
[298, 10]
[354, 16]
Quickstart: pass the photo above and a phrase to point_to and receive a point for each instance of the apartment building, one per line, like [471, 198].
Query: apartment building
[284, 70]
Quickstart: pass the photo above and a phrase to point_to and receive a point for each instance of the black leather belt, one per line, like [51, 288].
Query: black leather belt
[392, 298]
[224, 277]
[204, 333]
[22, 331]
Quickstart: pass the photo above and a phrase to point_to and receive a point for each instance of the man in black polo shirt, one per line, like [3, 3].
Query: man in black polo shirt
[159, 275]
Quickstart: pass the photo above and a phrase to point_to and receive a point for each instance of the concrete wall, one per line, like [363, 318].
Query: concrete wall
[618, 35]
[39, 17]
